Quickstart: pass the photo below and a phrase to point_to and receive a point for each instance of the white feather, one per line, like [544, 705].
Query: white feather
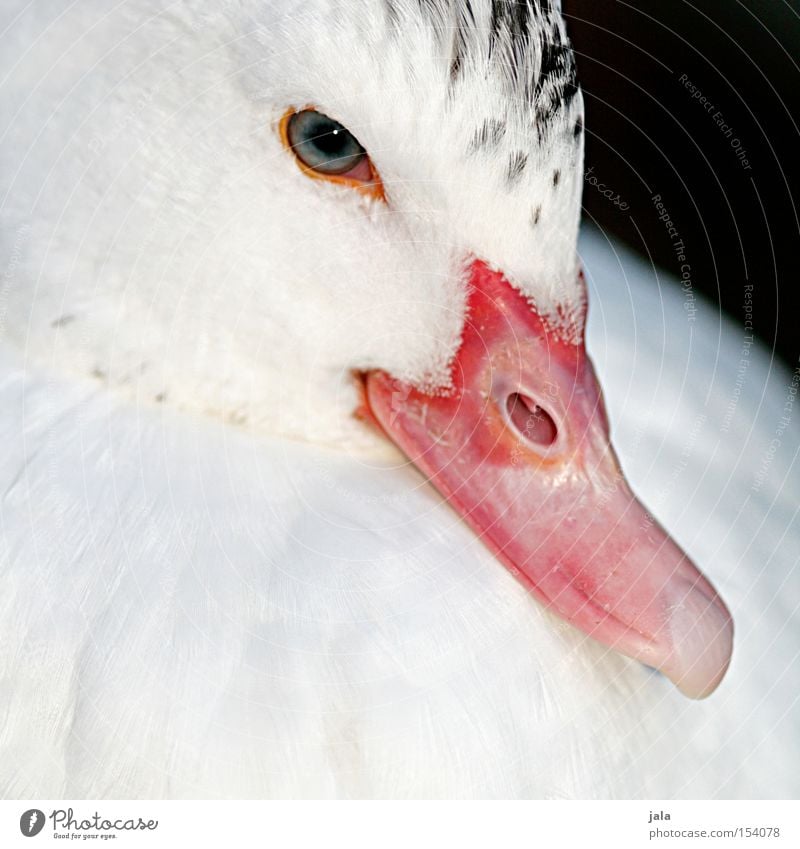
[190, 610]
[178, 249]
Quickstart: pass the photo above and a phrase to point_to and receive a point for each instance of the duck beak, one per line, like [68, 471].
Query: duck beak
[519, 446]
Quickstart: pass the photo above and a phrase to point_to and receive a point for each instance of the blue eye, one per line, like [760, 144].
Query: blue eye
[322, 144]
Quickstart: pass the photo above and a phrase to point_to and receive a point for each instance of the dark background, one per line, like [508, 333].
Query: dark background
[646, 135]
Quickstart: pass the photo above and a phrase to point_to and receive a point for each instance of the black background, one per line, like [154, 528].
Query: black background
[646, 135]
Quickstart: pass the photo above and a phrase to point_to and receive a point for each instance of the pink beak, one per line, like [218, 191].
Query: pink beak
[520, 447]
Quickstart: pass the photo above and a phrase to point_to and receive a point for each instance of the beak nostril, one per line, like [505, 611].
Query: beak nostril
[532, 422]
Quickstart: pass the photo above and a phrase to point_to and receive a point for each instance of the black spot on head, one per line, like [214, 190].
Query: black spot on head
[392, 16]
[557, 58]
[515, 17]
[556, 85]
[516, 165]
[570, 87]
[578, 128]
[488, 135]
[464, 27]
[536, 216]
[556, 177]
[431, 6]
[455, 65]
[525, 41]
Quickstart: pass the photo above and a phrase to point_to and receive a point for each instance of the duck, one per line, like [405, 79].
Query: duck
[311, 491]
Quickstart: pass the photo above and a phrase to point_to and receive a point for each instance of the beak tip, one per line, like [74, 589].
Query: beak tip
[703, 644]
[612, 571]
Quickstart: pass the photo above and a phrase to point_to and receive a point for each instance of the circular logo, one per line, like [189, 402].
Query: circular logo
[31, 822]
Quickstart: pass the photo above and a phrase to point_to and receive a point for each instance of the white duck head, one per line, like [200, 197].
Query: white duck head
[286, 213]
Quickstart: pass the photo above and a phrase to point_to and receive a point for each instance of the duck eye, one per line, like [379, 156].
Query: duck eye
[327, 150]
[322, 144]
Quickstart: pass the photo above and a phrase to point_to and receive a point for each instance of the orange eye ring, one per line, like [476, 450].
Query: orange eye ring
[372, 187]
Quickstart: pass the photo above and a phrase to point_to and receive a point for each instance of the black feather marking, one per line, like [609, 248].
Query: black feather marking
[557, 66]
[556, 177]
[392, 15]
[516, 165]
[464, 26]
[535, 216]
[514, 17]
[570, 85]
[527, 45]
[488, 135]
[435, 13]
